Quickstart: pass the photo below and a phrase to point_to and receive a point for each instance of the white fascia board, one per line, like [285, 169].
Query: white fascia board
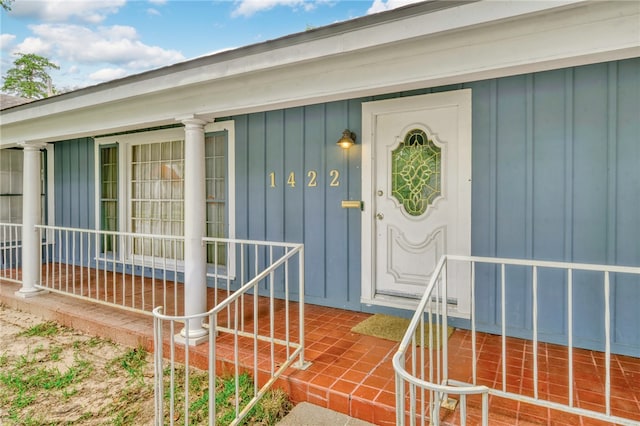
[339, 43]
[581, 33]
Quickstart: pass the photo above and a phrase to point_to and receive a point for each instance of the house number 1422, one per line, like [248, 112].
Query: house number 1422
[311, 179]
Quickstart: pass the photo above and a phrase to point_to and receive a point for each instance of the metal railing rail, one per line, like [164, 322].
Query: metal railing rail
[282, 346]
[428, 371]
[10, 251]
[129, 270]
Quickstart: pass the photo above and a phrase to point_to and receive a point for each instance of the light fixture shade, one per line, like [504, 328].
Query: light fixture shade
[346, 141]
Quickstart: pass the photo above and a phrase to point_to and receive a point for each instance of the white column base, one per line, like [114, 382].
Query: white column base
[26, 294]
[195, 338]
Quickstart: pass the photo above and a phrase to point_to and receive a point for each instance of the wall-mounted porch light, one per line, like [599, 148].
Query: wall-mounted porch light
[347, 139]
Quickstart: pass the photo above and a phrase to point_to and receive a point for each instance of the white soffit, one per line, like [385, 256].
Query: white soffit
[465, 43]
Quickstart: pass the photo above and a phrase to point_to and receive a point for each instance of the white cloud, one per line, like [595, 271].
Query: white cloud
[118, 45]
[34, 45]
[153, 12]
[107, 74]
[247, 8]
[6, 40]
[158, 2]
[94, 11]
[382, 5]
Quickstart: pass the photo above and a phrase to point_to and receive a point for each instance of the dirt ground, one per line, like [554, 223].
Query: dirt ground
[51, 375]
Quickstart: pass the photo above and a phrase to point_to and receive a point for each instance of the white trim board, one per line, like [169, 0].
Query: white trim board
[524, 37]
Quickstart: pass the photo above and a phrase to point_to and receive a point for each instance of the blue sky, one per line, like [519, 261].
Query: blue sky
[99, 40]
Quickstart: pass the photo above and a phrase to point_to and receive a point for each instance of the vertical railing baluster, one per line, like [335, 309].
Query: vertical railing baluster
[66, 260]
[504, 326]
[535, 331]
[287, 301]
[175, 275]
[412, 387]
[463, 409]
[172, 371]
[59, 286]
[570, 331]
[474, 368]
[443, 339]
[213, 323]
[485, 409]
[301, 286]
[272, 312]
[73, 266]
[82, 266]
[133, 277]
[607, 342]
[422, 362]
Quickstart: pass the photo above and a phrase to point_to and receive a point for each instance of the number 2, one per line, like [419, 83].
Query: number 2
[335, 178]
[313, 176]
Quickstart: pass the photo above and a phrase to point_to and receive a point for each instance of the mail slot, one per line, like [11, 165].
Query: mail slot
[352, 204]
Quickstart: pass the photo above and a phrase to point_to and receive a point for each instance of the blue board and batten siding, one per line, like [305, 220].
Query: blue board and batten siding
[74, 184]
[297, 149]
[556, 176]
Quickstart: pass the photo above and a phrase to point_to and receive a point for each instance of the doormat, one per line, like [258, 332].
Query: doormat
[393, 328]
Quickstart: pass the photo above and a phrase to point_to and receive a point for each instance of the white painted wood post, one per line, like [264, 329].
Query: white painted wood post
[195, 261]
[31, 216]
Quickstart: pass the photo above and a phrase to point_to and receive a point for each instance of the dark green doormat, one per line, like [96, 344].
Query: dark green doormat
[393, 328]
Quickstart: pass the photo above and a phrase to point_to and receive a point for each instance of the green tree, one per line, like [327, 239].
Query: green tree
[6, 4]
[29, 77]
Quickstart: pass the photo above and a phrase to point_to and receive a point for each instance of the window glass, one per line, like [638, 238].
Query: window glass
[415, 172]
[157, 194]
[215, 164]
[11, 174]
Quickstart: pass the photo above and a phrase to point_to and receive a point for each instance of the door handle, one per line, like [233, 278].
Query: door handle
[380, 216]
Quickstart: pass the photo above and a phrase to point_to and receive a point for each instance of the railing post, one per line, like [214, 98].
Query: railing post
[302, 365]
[31, 216]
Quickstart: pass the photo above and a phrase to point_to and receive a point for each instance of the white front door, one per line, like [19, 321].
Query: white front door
[417, 190]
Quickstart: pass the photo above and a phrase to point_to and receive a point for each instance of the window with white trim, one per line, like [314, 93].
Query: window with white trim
[11, 176]
[108, 195]
[216, 189]
[149, 188]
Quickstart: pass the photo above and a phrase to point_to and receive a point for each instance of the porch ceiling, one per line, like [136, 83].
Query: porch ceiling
[431, 46]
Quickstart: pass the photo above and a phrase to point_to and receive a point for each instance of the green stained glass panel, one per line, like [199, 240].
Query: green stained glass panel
[415, 172]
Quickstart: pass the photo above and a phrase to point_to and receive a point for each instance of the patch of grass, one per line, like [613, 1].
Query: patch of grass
[95, 341]
[54, 353]
[4, 359]
[267, 411]
[23, 381]
[69, 393]
[48, 328]
[132, 361]
[124, 410]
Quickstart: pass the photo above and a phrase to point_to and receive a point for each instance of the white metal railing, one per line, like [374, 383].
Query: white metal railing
[422, 373]
[262, 336]
[129, 270]
[10, 251]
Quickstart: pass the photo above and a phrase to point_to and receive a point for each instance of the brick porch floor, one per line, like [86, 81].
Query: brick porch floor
[352, 374]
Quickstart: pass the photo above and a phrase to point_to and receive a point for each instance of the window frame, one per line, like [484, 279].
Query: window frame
[48, 206]
[125, 142]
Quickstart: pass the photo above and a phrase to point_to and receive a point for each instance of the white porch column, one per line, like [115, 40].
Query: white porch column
[195, 261]
[31, 216]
